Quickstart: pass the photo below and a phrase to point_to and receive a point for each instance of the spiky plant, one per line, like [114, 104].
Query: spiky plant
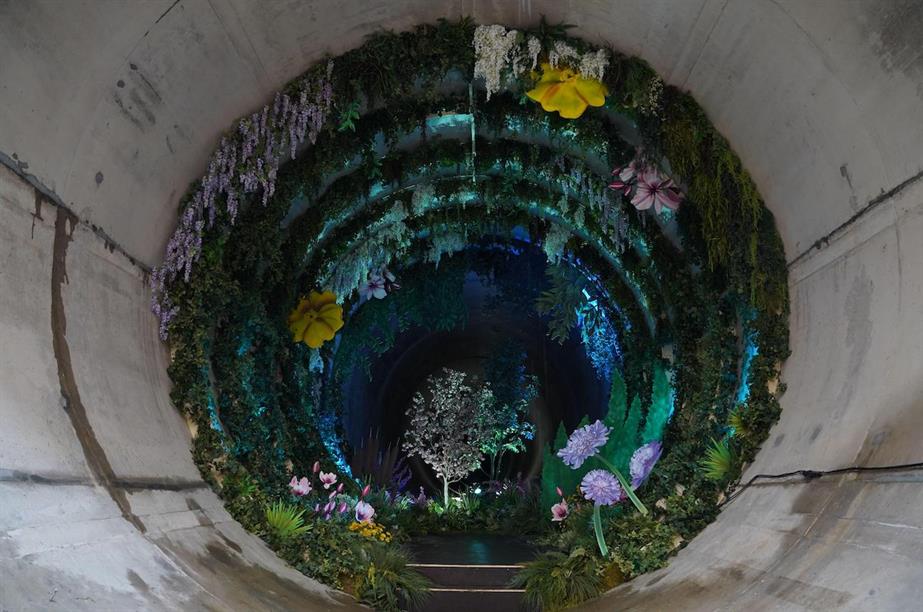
[554, 581]
[285, 520]
[388, 583]
[719, 462]
[736, 422]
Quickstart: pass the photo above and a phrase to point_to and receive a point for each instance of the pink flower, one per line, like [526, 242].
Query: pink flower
[329, 508]
[559, 511]
[343, 508]
[299, 487]
[366, 490]
[374, 287]
[559, 492]
[328, 479]
[364, 512]
[380, 283]
[316, 467]
[657, 191]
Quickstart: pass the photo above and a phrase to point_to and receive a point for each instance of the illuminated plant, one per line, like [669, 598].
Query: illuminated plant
[447, 428]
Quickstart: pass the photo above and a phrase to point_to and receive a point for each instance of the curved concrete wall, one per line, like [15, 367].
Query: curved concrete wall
[110, 109]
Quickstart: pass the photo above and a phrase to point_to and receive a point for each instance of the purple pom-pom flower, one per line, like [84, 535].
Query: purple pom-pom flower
[601, 487]
[584, 443]
[642, 462]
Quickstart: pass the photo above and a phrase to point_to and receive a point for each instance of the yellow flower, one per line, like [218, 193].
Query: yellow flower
[317, 319]
[566, 92]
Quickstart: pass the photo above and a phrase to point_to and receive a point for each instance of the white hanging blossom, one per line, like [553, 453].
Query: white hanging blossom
[555, 242]
[562, 53]
[492, 46]
[535, 49]
[422, 198]
[593, 64]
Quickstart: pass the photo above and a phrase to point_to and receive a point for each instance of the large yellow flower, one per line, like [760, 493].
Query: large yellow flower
[566, 92]
[317, 319]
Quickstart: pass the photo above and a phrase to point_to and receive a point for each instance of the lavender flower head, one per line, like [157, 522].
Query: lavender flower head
[642, 462]
[601, 487]
[584, 443]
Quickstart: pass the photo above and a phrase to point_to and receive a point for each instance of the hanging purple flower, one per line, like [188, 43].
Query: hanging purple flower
[601, 487]
[584, 443]
[642, 462]
[559, 511]
[343, 508]
[364, 512]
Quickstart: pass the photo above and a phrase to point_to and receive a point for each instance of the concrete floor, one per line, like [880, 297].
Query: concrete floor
[111, 108]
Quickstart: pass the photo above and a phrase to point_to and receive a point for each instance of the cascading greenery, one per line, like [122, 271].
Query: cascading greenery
[392, 179]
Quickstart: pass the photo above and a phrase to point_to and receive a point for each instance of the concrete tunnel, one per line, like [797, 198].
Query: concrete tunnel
[101, 505]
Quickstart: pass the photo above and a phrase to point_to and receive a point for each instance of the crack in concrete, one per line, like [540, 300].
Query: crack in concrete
[95, 455]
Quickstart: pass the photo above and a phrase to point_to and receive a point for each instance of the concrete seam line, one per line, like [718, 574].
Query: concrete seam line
[834, 234]
[95, 455]
[18, 168]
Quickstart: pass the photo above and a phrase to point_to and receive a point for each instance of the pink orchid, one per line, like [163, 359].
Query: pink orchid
[559, 492]
[657, 191]
[559, 511]
[316, 467]
[328, 479]
[364, 512]
[299, 487]
[365, 491]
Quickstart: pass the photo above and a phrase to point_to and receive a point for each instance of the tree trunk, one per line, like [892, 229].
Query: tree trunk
[445, 491]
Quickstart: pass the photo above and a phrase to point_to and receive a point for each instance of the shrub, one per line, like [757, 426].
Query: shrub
[555, 581]
[388, 583]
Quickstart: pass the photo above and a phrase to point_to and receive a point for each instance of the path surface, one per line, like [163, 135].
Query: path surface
[472, 571]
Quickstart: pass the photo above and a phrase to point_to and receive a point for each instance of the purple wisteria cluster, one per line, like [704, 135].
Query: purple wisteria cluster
[584, 443]
[246, 161]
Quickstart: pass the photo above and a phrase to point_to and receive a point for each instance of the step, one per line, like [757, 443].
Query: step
[468, 575]
[474, 600]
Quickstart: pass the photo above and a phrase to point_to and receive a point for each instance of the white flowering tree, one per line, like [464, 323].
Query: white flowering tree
[447, 428]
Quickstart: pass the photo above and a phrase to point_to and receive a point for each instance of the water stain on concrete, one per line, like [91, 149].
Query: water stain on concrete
[95, 455]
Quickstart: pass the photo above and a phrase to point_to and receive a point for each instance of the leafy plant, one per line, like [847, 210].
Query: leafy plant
[389, 583]
[719, 462]
[285, 521]
[555, 581]
[513, 391]
[561, 301]
[348, 117]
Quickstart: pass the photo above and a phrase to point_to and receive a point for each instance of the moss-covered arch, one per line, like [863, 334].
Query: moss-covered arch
[242, 256]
